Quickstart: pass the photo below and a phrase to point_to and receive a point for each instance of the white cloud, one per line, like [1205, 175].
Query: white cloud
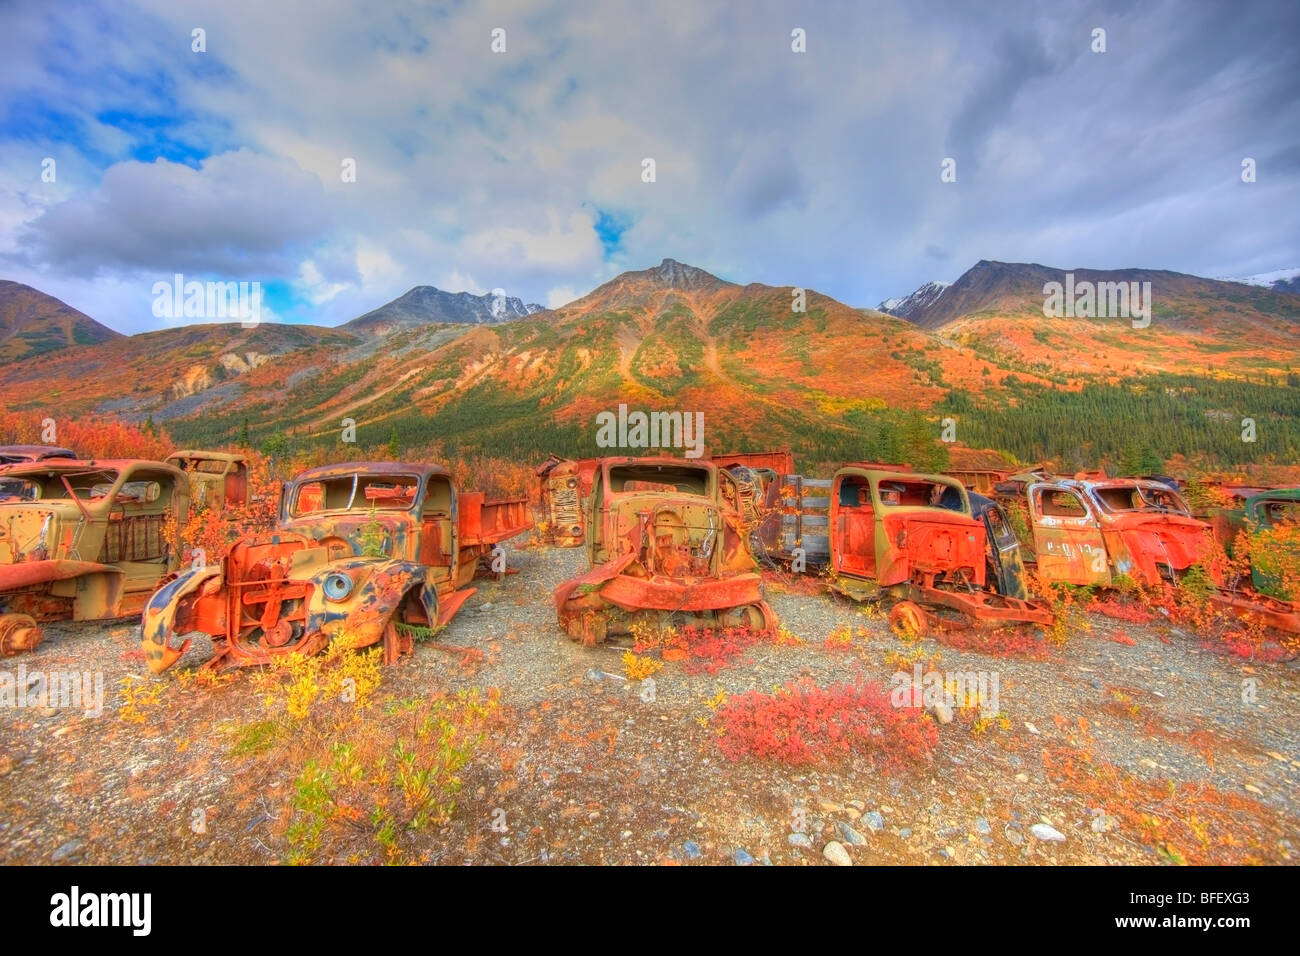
[562, 295]
[315, 287]
[457, 282]
[237, 216]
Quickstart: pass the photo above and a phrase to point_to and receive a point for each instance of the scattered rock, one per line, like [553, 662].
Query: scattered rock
[1254, 789]
[827, 807]
[1022, 778]
[801, 840]
[1030, 727]
[852, 813]
[849, 835]
[836, 853]
[691, 850]
[67, 851]
[874, 821]
[1046, 833]
[982, 825]
[942, 713]
[744, 859]
[905, 832]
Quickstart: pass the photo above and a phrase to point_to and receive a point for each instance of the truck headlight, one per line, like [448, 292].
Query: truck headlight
[337, 586]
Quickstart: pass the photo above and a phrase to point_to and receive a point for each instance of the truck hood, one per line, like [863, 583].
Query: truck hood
[33, 530]
[1176, 540]
[394, 531]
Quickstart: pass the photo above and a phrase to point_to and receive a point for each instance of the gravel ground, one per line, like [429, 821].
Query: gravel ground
[592, 772]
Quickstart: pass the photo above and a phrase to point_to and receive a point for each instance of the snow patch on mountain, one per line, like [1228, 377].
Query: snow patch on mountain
[920, 299]
[1281, 279]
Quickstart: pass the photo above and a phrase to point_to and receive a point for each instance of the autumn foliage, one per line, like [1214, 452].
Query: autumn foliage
[214, 527]
[702, 649]
[88, 437]
[805, 724]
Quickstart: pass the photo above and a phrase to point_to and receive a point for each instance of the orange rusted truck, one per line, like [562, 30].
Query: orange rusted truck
[362, 552]
[21, 454]
[218, 479]
[1101, 532]
[940, 556]
[563, 485]
[664, 544]
[83, 541]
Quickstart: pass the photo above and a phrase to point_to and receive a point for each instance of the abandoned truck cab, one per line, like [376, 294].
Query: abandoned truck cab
[83, 541]
[218, 479]
[1091, 532]
[1271, 521]
[563, 485]
[664, 542]
[360, 550]
[914, 539]
[1096, 533]
[21, 454]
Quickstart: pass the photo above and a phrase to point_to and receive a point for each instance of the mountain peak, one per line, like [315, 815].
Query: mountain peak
[426, 304]
[918, 301]
[679, 275]
[33, 323]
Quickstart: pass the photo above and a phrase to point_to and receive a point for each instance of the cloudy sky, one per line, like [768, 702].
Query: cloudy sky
[523, 169]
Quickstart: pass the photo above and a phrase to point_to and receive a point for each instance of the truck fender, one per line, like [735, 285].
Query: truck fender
[159, 619]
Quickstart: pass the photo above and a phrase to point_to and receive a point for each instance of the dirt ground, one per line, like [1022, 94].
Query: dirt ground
[1156, 751]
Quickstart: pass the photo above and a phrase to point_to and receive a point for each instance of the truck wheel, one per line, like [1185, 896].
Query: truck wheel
[18, 632]
[907, 620]
[756, 617]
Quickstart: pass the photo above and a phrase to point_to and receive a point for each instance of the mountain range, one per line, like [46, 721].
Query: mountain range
[830, 381]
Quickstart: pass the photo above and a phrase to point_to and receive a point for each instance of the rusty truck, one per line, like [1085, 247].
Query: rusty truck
[563, 486]
[218, 479]
[83, 541]
[1104, 532]
[363, 553]
[937, 554]
[664, 544]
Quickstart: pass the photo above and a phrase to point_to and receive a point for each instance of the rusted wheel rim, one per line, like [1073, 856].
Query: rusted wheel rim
[907, 620]
[18, 632]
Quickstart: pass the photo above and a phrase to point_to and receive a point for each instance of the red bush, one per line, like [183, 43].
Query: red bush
[1004, 642]
[88, 437]
[805, 724]
[703, 650]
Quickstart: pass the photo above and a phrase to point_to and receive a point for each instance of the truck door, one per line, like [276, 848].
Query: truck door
[853, 527]
[1067, 537]
[1004, 553]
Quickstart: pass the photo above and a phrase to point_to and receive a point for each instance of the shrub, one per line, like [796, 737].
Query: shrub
[804, 724]
[366, 774]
